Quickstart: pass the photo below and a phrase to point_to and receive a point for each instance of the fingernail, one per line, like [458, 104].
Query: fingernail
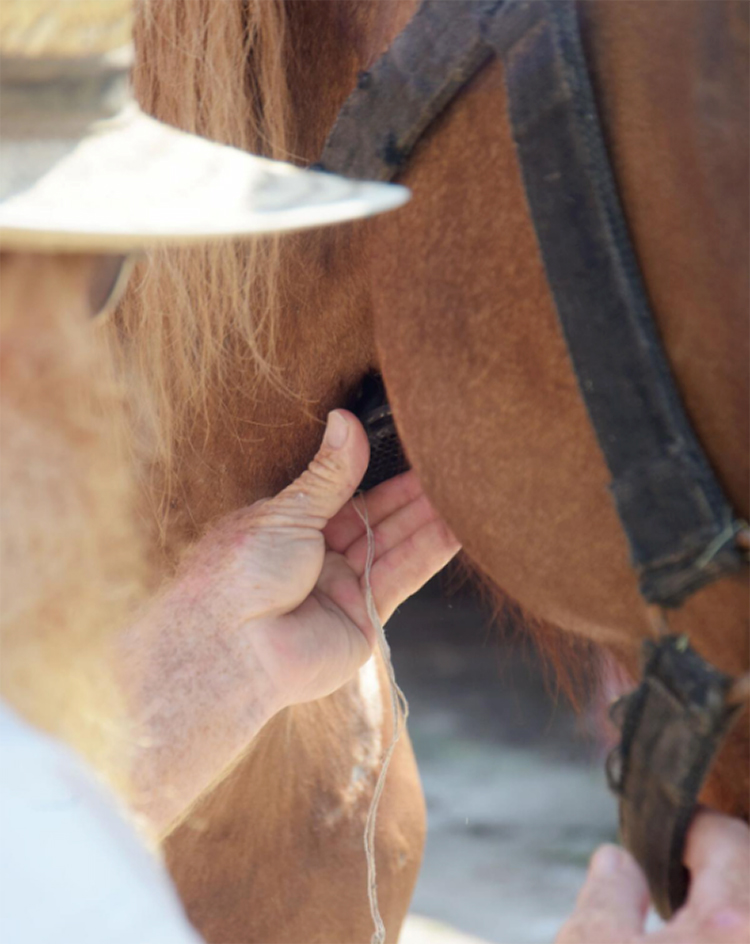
[607, 860]
[337, 430]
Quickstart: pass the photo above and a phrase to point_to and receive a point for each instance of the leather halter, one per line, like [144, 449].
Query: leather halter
[679, 523]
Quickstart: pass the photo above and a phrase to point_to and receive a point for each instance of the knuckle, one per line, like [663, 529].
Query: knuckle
[327, 471]
[327, 466]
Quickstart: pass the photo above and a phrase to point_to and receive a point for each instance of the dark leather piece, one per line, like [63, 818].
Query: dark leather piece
[426, 66]
[672, 727]
[679, 524]
[387, 458]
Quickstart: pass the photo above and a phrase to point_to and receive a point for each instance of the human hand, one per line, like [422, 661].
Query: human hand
[612, 905]
[267, 610]
[288, 572]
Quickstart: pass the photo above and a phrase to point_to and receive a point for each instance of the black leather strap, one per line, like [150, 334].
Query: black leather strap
[439, 52]
[679, 524]
[672, 727]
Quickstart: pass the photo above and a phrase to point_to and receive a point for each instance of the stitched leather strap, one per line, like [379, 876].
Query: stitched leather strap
[679, 524]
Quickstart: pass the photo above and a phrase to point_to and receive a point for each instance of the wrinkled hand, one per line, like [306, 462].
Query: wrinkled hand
[266, 611]
[288, 571]
[612, 905]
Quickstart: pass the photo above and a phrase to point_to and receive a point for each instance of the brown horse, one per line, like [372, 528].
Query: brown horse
[240, 350]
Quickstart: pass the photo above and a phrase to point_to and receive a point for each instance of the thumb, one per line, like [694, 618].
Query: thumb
[332, 477]
[612, 904]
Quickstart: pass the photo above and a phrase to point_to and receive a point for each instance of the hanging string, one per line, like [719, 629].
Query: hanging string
[400, 712]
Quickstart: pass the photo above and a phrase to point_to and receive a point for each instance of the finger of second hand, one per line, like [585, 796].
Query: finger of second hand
[383, 500]
[612, 904]
[717, 842]
[718, 856]
[401, 571]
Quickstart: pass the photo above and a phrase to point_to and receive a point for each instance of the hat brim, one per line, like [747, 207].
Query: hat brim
[135, 182]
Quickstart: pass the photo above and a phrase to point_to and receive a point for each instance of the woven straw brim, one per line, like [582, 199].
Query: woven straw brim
[133, 182]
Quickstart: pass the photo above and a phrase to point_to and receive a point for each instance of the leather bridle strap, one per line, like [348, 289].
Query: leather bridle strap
[679, 524]
[672, 727]
[446, 43]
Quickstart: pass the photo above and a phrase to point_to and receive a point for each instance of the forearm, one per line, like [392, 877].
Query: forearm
[195, 696]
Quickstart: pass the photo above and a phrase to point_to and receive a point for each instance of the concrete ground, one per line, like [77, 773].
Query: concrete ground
[515, 787]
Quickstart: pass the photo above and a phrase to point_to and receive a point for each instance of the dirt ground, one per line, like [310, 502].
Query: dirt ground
[514, 781]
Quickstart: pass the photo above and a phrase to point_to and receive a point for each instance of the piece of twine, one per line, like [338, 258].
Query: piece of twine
[400, 712]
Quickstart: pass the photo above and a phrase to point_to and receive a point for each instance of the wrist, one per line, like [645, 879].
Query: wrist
[196, 695]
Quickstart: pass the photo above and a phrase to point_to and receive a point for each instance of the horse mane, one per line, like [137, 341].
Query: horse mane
[193, 315]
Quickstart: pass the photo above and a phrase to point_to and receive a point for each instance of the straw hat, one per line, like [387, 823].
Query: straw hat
[83, 169]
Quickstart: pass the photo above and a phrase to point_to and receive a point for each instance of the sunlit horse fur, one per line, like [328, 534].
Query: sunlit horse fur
[475, 362]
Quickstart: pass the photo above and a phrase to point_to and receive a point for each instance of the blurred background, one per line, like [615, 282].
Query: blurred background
[513, 777]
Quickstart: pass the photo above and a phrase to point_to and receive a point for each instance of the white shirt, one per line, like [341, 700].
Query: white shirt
[72, 869]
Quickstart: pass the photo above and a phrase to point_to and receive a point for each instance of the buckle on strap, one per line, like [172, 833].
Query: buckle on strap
[672, 726]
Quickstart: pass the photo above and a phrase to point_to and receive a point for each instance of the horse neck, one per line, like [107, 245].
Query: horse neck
[671, 133]
[503, 443]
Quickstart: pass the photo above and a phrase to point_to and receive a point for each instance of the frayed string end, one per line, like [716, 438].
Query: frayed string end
[400, 712]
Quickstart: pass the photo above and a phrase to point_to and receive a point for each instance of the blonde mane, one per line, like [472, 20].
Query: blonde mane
[216, 69]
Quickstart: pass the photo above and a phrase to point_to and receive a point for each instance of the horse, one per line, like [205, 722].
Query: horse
[237, 351]
[442, 308]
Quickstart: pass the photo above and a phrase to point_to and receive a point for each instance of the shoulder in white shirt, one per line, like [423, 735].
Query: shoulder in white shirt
[72, 869]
